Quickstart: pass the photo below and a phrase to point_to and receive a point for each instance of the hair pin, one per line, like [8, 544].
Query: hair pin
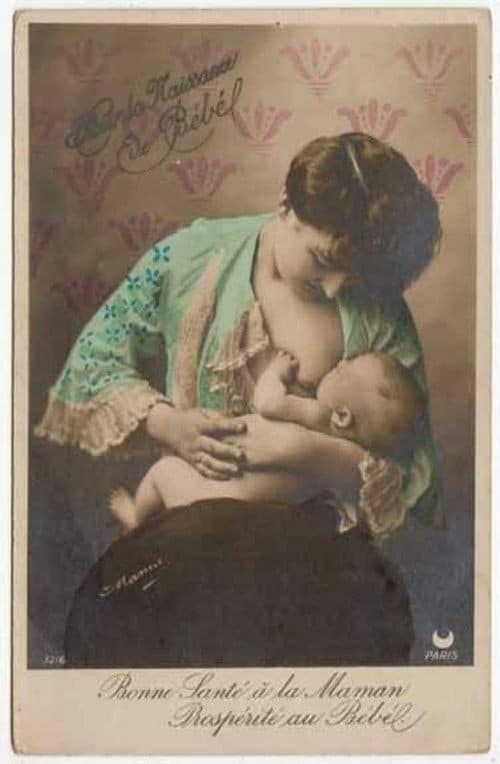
[357, 170]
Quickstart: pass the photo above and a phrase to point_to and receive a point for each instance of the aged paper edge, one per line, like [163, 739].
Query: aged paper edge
[40, 697]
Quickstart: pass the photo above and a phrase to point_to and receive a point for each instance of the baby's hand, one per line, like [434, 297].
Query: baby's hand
[273, 383]
[285, 366]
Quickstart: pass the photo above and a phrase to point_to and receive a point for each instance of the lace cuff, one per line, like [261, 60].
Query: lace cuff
[380, 499]
[104, 421]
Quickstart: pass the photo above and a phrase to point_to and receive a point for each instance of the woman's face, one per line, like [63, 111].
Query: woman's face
[312, 262]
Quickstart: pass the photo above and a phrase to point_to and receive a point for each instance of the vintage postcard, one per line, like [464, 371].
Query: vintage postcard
[252, 382]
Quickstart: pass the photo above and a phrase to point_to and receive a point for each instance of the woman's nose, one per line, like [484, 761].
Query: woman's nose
[332, 282]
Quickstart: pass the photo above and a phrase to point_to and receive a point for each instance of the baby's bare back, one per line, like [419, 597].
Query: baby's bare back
[179, 484]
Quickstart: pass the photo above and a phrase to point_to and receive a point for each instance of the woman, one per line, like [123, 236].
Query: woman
[227, 585]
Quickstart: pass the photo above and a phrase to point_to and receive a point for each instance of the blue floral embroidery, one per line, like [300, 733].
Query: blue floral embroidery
[133, 282]
[110, 311]
[85, 346]
[152, 277]
[149, 311]
[86, 340]
[126, 321]
[135, 304]
[114, 332]
[161, 253]
[122, 307]
[127, 327]
[91, 384]
[144, 331]
[67, 378]
[91, 364]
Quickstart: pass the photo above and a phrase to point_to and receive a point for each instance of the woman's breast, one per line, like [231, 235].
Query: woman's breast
[311, 332]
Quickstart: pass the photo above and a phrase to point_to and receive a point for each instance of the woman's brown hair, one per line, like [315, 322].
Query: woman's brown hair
[355, 187]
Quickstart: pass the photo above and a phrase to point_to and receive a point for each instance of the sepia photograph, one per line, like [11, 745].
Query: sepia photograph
[248, 407]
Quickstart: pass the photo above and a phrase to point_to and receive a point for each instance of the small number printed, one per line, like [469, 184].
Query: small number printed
[54, 660]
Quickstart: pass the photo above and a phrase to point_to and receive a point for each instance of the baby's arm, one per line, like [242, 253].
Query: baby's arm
[305, 411]
[272, 400]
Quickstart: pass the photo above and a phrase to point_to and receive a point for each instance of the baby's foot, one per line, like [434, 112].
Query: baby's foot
[285, 366]
[122, 507]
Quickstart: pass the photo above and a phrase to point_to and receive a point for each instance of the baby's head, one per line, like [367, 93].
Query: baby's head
[375, 402]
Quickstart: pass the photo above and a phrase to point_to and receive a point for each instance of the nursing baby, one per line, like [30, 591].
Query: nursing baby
[370, 399]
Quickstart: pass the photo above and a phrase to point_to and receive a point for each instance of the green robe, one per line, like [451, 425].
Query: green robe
[190, 291]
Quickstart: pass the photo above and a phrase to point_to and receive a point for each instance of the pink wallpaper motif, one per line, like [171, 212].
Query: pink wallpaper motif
[376, 119]
[45, 124]
[462, 119]
[316, 62]
[437, 173]
[88, 179]
[140, 231]
[260, 125]
[429, 63]
[82, 294]
[88, 59]
[194, 57]
[146, 126]
[202, 177]
[41, 234]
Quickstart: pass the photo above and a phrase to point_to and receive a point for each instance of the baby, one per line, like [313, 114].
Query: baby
[370, 399]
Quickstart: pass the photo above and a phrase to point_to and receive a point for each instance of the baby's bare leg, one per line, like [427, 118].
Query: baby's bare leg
[132, 512]
[147, 498]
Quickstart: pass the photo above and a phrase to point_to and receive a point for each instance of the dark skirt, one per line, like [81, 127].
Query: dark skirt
[230, 583]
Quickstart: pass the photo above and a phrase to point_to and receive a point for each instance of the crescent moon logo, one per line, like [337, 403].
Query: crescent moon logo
[443, 643]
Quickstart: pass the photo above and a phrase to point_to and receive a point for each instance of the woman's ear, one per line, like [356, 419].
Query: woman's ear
[342, 418]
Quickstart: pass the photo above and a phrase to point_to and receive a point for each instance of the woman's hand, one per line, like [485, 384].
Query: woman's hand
[269, 444]
[195, 435]
[325, 462]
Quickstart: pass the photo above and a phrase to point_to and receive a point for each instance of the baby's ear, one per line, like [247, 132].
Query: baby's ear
[342, 418]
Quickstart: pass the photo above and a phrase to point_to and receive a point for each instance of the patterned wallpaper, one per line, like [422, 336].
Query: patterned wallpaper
[96, 206]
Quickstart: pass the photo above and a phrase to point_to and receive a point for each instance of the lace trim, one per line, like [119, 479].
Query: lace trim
[348, 516]
[102, 422]
[246, 339]
[191, 334]
[380, 497]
